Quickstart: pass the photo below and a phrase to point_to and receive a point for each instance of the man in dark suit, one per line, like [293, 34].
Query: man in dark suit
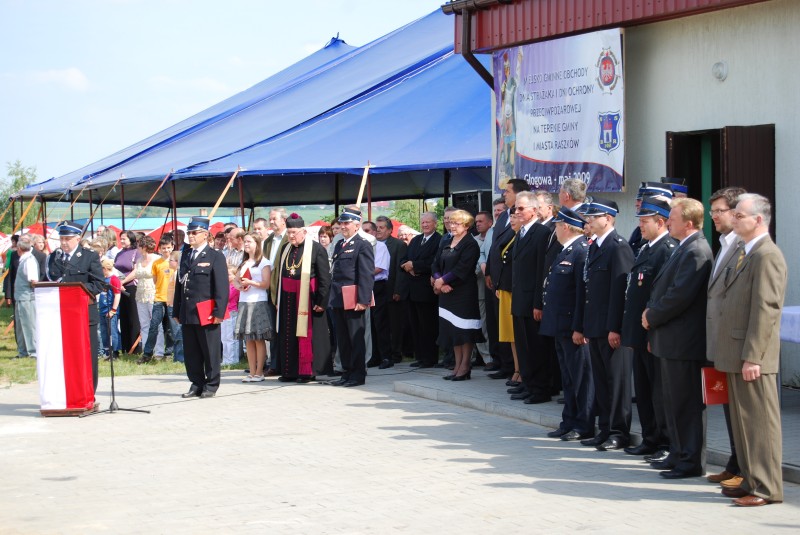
[423, 303]
[353, 265]
[397, 250]
[528, 261]
[607, 267]
[562, 319]
[203, 276]
[747, 348]
[657, 247]
[647, 189]
[272, 247]
[723, 203]
[502, 234]
[675, 318]
[73, 263]
[547, 211]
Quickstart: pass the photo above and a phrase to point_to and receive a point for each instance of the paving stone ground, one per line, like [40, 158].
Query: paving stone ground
[270, 458]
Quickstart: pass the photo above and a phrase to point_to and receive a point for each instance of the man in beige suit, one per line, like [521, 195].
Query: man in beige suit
[723, 204]
[747, 348]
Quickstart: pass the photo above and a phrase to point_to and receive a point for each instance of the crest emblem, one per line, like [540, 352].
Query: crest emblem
[609, 130]
[607, 70]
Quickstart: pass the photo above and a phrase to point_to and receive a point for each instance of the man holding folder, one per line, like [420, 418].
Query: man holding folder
[201, 298]
[351, 294]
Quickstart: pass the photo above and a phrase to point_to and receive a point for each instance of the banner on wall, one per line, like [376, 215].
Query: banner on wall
[560, 112]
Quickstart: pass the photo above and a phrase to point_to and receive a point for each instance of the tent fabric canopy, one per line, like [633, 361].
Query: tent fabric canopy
[404, 102]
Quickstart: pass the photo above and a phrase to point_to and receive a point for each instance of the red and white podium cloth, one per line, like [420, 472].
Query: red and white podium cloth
[64, 361]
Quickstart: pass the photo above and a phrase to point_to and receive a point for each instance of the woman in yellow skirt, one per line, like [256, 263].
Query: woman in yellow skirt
[503, 292]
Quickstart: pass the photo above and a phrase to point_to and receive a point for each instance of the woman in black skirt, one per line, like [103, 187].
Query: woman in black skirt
[455, 282]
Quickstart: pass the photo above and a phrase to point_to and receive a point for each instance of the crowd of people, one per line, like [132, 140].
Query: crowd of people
[542, 292]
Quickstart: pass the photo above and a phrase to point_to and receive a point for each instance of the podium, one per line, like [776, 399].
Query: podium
[64, 359]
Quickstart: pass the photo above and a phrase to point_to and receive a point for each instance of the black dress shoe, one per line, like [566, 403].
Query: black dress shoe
[386, 364]
[192, 393]
[516, 390]
[660, 455]
[415, 364]
[353, 383]
[675, 473]
[661, 465]
[641, 449]
[305, 379]
[340, 382]
[574, 435]
[207, 394]
[371, 363]
[491, 367]
[512, 383]
[557, 433]
[613, 443]
[593, 442]
[535, 399]
[520, 395]
[449, 377]
[285, 379]
[499, 375]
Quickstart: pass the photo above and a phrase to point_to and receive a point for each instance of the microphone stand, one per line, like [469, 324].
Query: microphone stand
[113, 407]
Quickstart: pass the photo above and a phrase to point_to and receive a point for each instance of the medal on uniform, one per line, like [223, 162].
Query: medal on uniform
[641, 277]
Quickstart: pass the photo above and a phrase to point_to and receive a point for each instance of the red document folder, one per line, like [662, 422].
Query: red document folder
[205, 309]
[715, 386]
[350, 297]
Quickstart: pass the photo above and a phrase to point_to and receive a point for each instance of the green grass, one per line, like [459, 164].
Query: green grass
[21, 371]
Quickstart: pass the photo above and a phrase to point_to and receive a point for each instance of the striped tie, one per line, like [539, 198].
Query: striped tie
[740, 260]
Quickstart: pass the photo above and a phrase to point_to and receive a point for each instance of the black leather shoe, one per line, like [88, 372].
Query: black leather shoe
[660, 455]
[516, 390]
[340, 382]
[535, 399]
[353, 383]
[415, 364]
[207, 394]
[574, 435]
[386, 364]
[285, 379]
[613, 443]
[449, 377]
[593, 442]
[680, 474]
[192, 393]
[305, 379]
[520, 395]
[641, 449]
[557, 433]
[661, 465]
[499, 375]
[512, 383]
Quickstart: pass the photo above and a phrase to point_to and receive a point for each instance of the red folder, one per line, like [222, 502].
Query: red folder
[205, 309]
[246, 274]
[350, 297]
[715, 386]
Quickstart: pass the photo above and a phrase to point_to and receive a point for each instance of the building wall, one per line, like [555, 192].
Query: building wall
[670, 87]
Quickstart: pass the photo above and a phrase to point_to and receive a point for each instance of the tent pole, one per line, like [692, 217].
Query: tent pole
[91, 218]
[241, 200]
[44, 215]
[13, 213]
[336, 194]
[174, 212]
[369, 197]
[102, 221]
[447, 187]
[252, 217]
[122, 205]
[71, 208]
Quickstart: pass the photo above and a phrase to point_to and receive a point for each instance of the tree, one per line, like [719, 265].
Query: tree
[18, 177]
[407, 212]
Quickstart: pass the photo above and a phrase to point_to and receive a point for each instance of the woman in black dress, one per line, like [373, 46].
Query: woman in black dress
[455, 282]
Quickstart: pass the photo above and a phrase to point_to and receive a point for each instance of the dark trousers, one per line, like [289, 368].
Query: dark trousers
[274, 361]
[202, 355]
[649, 398]
[397, 321]
[686, 414]
[534, 366]
[576, 378]
[733, 461]
[379, 322]
[424, 318]
[499, 350]
[611, 370]
[160, 318]
[549, 348]
[350, 330]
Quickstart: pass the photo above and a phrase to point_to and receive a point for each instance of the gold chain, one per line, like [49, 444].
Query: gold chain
[292, 269]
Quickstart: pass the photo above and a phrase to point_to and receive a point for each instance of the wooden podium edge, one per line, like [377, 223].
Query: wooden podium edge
[68, 412]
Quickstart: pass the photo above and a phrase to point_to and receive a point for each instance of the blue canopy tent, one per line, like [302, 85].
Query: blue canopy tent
[404, 102]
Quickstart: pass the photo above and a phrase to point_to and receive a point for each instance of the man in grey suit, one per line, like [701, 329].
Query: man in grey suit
[747, 347]
[722, 203]
[674, 318]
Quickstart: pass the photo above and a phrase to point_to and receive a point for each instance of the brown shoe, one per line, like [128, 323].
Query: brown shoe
[735, 493]
[271, 373]
[732, 483]
[719, 478]
[751, 501]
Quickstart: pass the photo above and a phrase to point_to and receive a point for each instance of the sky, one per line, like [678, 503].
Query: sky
[81, 79]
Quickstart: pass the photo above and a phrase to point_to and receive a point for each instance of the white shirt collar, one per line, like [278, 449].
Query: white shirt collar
[749, 245]
[571, 240]
[653, 242]
[600, 239]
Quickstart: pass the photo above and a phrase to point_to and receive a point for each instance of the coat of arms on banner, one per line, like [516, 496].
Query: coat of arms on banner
[609, 130]
[607, 75]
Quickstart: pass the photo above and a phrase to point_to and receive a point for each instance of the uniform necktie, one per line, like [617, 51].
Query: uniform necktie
[424, 239]
[522, 232]
[646, 245]
[193, 256]
[66, 258]
[740, 260]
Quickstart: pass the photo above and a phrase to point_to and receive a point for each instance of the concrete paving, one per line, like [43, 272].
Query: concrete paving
[272, 458]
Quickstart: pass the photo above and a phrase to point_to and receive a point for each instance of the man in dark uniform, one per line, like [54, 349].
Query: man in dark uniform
[657, 247]
[422, 302]
[647, 189]
[562, 319]
[353, 266]
[607, 267]
[73, 263]
[203, 276]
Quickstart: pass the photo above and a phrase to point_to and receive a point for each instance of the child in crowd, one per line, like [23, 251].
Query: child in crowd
[177, 334]
[230, 345]
[162, 273]
[107, 305]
